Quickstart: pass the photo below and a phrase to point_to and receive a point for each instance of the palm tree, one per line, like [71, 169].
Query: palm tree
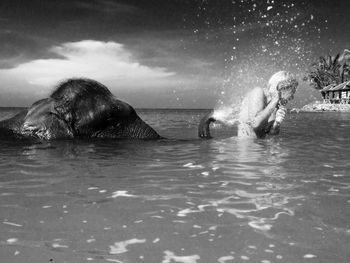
[345, 72]
[329, 70]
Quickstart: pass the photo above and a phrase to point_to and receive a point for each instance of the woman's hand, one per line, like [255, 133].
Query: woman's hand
[280, 114]
[203, 127]
[276, 97]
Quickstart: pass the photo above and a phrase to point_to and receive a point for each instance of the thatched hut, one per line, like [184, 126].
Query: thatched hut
[336, 94]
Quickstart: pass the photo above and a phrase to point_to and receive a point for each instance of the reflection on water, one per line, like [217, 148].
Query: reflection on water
[284, 199]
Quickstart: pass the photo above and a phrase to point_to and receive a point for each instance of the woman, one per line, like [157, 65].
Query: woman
[262, 110]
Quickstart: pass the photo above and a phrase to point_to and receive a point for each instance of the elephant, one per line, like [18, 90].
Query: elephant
[79, 108]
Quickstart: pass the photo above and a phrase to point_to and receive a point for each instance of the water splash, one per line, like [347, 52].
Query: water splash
[227, 113]
[258, 38]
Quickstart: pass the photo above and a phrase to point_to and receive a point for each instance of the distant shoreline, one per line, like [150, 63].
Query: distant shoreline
[325, 107]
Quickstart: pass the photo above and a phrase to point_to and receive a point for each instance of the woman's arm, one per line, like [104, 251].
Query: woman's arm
[258, 113]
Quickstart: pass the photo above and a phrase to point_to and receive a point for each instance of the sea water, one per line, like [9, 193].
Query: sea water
[184, 199]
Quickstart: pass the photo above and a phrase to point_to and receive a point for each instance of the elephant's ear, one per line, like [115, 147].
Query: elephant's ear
[98, 113]
[91, 114]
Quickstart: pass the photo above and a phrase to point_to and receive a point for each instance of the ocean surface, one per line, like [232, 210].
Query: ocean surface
[282, 199]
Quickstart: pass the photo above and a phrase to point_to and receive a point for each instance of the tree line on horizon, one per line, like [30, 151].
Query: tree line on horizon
[329, 70]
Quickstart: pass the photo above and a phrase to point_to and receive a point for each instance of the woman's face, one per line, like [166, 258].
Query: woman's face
[287, 95]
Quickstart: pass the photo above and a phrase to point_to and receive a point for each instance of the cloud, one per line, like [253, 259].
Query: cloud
[103, 61]
[130, 71]
[107, 6]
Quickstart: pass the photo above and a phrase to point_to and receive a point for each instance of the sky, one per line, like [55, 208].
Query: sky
[165, 53]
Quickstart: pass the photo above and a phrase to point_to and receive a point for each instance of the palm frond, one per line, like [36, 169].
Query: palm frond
[327, 70]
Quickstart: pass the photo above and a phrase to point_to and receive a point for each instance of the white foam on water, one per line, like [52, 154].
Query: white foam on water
[11, 224]
[286, 212]
[239, 213]
[328, 166]
[121, 247]
[160, 217]
[186, 211]
[191, 165]
[332, 189]
[260, 226]
[7, 194]
[12, 240]
[113, 260]
[156, 240]
[213, 228]
[57, 245]
[170, 256]
[224, 259]
[121, 193]
[245, 257]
